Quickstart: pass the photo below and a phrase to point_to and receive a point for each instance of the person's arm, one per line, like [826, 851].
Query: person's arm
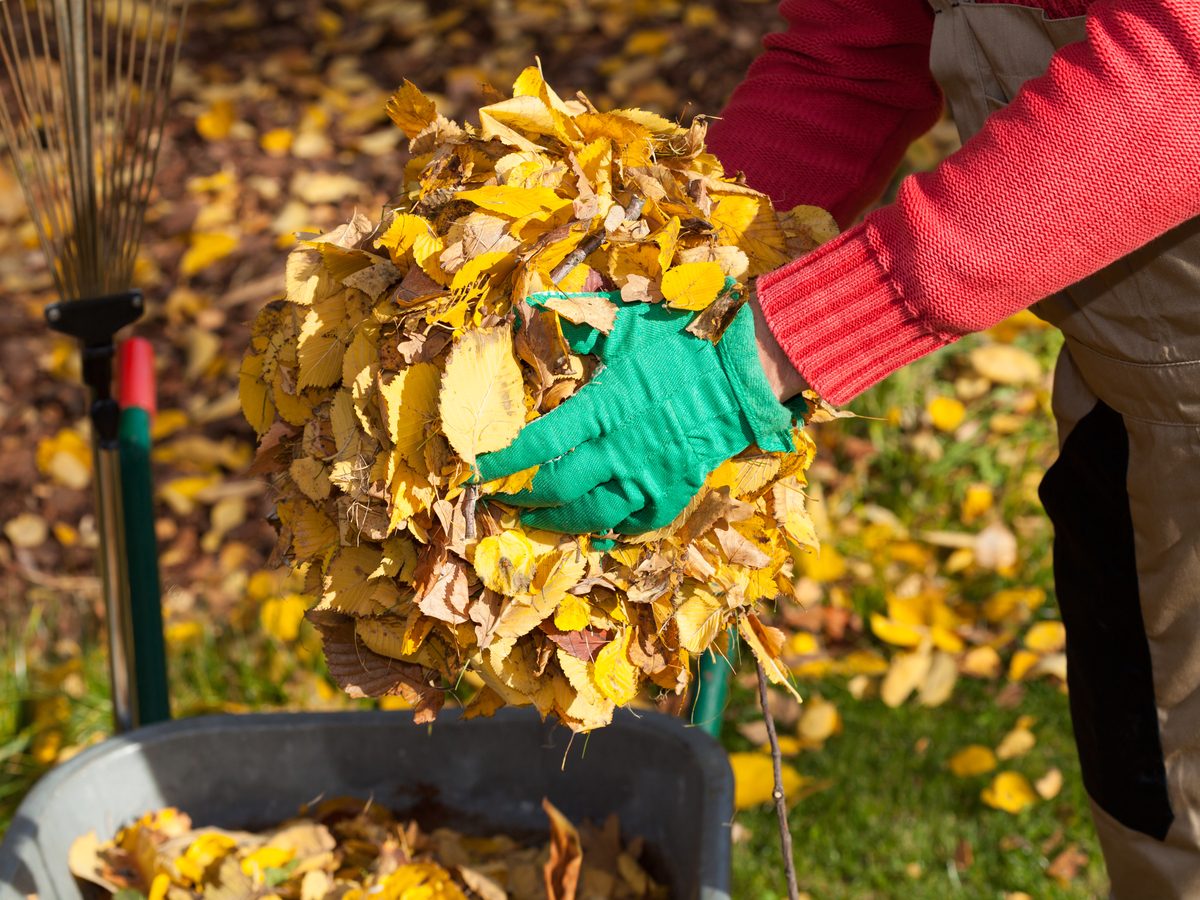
[1091, 161]
[826, 112]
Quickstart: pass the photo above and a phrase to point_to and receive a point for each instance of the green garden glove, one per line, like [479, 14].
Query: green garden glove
[634, 445]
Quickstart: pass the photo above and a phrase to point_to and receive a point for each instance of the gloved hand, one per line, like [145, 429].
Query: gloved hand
[634, 445]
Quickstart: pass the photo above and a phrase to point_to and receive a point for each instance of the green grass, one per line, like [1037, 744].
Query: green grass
[893, 817]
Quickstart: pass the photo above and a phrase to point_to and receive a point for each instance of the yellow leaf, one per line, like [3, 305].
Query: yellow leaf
[348, 585]
[402, 234]
[573, 613]
[766, 643]
[792, 515]
[824, 565]
[699, 618]
[66, 458]
[1006, 364]
[556, 574]
[748, 222]
[981, 662]
[978, 500]
[819, 721]
[905, 674]
[1009, 791]
[515, 202]
[410, 109]
[203, 852]
[482, 398]
[693, 285]
[1046, 637]
[1020, 664]
[206, 248]
[896, 633]
[215, 123]
[613, 674]
[410, 403]
[280, 617]
[946, 413]
[972, 760]
[1012, 603]
[256, 863]
[754, 779]
[1049, 784]
[505, 562]
[277, 141]
[1016, 743]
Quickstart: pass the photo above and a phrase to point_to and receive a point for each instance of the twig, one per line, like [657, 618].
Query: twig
[592, 242]
[785, 833]
[590, 245]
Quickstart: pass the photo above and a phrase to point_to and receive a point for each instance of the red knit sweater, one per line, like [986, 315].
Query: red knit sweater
[1090, 161]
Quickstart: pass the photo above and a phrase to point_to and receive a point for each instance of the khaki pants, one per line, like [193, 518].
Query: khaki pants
[1124, 494]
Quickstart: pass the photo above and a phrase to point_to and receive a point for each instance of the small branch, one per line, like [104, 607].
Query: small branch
[470, 498]
[785, 833]
[592, 242]
[590, 245]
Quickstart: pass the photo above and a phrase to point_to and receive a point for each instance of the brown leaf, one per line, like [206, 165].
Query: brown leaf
[441, 583]
[1065, 867]
[583, 644]
[561, 872]
[712, 321]
[361, 672]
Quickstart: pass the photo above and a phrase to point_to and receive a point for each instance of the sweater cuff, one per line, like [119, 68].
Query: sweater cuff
[840, 318]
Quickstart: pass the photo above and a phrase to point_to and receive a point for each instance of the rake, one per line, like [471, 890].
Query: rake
[82, 114]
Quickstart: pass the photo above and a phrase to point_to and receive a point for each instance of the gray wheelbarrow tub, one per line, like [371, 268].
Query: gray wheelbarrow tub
[668, 783]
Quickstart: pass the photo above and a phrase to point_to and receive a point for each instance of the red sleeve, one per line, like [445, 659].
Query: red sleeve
[827, 110]
[1092, 160]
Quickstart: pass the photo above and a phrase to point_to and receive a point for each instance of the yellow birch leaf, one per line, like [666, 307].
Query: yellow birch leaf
[482, 397]
[693, 285]
[1009, 791]
[974, 759]
[402, 234]
[411, 109]
[410, 403]
[766, 643]
[667, 239]
[573, 613]
[698, 618]
[505, 562]
[556, 574]
[312, 477]
[749, 223]
[515, 202]
[613, 674]
[348, 585]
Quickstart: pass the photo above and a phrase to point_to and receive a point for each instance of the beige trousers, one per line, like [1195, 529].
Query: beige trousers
[1124, 494]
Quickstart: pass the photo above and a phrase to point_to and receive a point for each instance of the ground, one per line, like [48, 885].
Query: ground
[927, 624]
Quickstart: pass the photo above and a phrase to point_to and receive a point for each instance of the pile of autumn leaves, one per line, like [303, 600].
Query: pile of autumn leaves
[352, 849]
[393, 362]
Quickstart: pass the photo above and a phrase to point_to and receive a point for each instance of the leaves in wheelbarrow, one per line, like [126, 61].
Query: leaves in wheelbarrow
[345, 847]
